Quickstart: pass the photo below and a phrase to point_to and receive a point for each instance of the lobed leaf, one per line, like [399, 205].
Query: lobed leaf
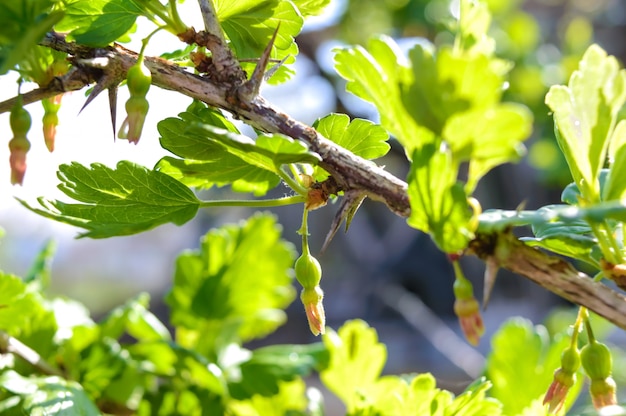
[122, 201]
[585, 113]
[356, 361]
[449, 82]
[488, 137]
[522, 363]
[135, 319]
[361, 137]
[97, 23]
[250, 24]
[438, 201]
[235, 286]
[378, 75]
[51, 396]
[269, 366]
[220, 155]
[311, 7]
[22, 28]
[616, 185]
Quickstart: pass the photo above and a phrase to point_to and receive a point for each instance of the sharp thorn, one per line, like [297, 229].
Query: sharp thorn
[491, 271]
[253, 85]
[113, 108]
[347, 208]
[97, 89]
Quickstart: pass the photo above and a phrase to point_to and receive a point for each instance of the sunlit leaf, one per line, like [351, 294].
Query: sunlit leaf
[267, 367]
[225, 169]
[522, 363]
[447, 83]
[250, 24]
[356, 361]
[378, 75]
[239, 281]
[361, 137]
[121, 201]
[135, 319]
[22, 27]
[52, 396]
[438, 201]
[585, 114]
[99, 22]
[616, 185]
[488, 137]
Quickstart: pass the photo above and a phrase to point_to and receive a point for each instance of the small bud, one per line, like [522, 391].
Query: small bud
[312, 300]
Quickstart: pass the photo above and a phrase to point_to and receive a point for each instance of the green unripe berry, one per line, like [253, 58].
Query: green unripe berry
[463, 289]
[138, 79]
[596, 360]
[19, 120]
[308, 271]
[570, 360]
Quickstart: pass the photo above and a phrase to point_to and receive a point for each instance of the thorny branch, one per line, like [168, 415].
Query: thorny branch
[351, 172]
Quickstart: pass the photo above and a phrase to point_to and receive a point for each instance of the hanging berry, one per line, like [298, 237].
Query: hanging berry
[309, 275]
[138, 80]
[466, 307]
[564, 377]
[50, 120]
[19, 145]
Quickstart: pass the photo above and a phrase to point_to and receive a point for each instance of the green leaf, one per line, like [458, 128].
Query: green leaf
[522, 363]
[250, 24]
[311, 7]
[226, 169]
[474, 22]
[25, 315]
[616, 185]
[267, 367]
[267, 152]
[356, 361]
[215, 154]
[239, 281]
[361, 137]
[99, 22]
[487, 138]
[378, 75]
[449, 82]
[438, 201]
[135, 319]
[571, 238]
[22, 26]
[585, 115]
[290, 400]
[52, 396]
[127, 200]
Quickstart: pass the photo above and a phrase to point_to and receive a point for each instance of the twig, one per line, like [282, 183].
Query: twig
[9, 344]
[552, 273]
[222, 55]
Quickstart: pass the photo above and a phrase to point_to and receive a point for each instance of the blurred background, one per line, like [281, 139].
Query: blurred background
[382, 271]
